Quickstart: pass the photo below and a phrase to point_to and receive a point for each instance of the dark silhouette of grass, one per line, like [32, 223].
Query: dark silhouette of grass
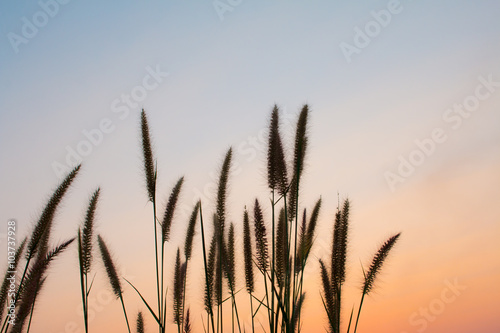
[140, 323]
[37, 257]
[277, 247]
[85, 244]
[113, 277]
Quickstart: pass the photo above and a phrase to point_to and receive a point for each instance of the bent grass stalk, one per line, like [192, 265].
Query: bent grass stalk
[32, 285]
[6, 281]
[374, 270]
[38, 241]
[113, 278]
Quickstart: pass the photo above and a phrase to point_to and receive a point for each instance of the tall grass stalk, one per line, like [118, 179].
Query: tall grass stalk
[334, 279]
[262, 257]
[247, 256]
[166, 225]
[219, 229]
[231, 274]
[277, 181]
[188, 246]
[85, 241]
[150, 173]
[208, 276]
[374, 270]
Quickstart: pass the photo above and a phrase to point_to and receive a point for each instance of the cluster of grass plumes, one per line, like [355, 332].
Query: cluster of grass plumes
[333, 279]
[275, 251]
[279, 252]
[37, 256]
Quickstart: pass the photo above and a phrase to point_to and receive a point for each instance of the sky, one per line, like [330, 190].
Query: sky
[404, 99]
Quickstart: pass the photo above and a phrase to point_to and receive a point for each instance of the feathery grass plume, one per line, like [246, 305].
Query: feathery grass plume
[339, 246]
[165, 231]
[301, 247]
[85, 252]
[303, 227]
[43, 243]
[140, 323]
[40, 286]
[220, 224]
[218, 287]
[377, 262]
[328, 295]
[114, 280]
[42, 227]
[187, 323]
[218, 260]
[170, 209]
[296, 313]
[230, 270]
[147, 151]
[276, 166]
[208, 273]
[25, 310]
[150, 173]
[178, 289]
[343, 239]
[374, 270]
[222, 190]
[83, 281]
[260, 238]
[87, 232]
[188, 244]
[247, 254]
[32, 285]
[188, 247]
[230, 259]
[281, 248]
[333, 289]
[11, 267]
[306, 238]
[336, 245]
[209, 280]
[313, 221]
[298, 160]
[338, 260]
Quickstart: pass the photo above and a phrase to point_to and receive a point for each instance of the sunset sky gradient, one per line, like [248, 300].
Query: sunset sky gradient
[406, 127]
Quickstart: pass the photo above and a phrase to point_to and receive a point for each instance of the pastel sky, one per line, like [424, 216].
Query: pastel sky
[405, 114]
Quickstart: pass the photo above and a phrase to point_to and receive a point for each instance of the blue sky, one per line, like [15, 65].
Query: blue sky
[224, 75]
